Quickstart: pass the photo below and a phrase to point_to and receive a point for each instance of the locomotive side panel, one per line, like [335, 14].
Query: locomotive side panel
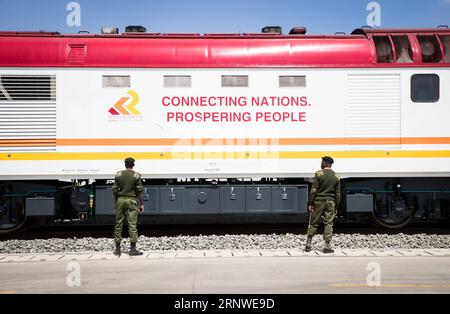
[365, 118]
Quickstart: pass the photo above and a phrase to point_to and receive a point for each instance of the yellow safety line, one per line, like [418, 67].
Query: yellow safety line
[395, 285]
[221, 155]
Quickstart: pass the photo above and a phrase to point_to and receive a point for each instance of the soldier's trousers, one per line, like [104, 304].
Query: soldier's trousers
[322, 209]
[126, 207]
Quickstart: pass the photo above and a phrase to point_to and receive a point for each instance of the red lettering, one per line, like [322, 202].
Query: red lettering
[302, 116]
[285, 101]
[224, 116]
[176, 101]
[276, 117]
[178, 117]
[184, 101]
[164, 101]
[212, 101]
[304, 101]
[242, 101]
[294, 101]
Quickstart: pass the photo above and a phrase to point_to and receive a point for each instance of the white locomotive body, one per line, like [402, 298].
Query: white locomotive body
[365, 118]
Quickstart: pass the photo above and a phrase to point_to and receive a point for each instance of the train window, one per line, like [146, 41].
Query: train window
[403, 49]
[431, 50]
[27, 87]
[425, 88]
[234, 80]
[116, 81]
[446, 43]
[293, 81]
[385, 53]
[177, 81]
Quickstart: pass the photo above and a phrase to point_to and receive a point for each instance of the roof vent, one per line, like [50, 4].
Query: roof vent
[298, 30]
[110, 30]
[77, 54]
[135, 29]
[272, 29]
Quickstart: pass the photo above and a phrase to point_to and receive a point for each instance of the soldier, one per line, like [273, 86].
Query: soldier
[323, 203]
[127, 188]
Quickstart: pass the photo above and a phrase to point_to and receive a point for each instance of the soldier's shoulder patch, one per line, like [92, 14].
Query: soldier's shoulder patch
[118, 174]
[137, 175]
[319, 173]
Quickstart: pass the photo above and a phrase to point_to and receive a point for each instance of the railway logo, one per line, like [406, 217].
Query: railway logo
[125, 108]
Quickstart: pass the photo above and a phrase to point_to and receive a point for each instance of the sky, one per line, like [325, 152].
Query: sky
[224, 16]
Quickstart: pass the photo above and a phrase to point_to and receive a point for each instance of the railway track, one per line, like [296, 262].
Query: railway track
[105, 231]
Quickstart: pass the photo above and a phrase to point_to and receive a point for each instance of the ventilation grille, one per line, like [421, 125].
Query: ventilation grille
[27, 113]
[116, 81]
[234, 80]
[293, 81]
[373, 112]
[177, 81]
[27, 87]
[77, 54]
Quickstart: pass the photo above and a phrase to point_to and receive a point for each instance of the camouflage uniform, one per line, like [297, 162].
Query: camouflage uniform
[325, 198]
[127, 186]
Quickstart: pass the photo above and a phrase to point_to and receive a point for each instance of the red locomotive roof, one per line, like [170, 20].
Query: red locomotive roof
[154, 50]
[443, 29]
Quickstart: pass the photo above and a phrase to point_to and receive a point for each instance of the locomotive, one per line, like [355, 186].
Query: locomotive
[225, 128]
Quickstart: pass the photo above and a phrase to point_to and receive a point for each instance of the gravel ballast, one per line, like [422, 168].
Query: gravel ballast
[229, 242]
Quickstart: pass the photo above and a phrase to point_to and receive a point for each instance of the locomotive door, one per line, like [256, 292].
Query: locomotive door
[373, 112]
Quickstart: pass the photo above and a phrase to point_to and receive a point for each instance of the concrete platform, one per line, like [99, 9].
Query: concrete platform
[229, 272]
[34, 257]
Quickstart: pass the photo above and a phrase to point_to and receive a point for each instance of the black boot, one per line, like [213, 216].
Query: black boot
[327, 249]
[308, 244]
[134, 251]
[117, 251]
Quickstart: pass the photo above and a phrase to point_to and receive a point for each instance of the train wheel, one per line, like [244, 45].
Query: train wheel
[397, 217]
[12, 215]
[390, 223]
[10, 228]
